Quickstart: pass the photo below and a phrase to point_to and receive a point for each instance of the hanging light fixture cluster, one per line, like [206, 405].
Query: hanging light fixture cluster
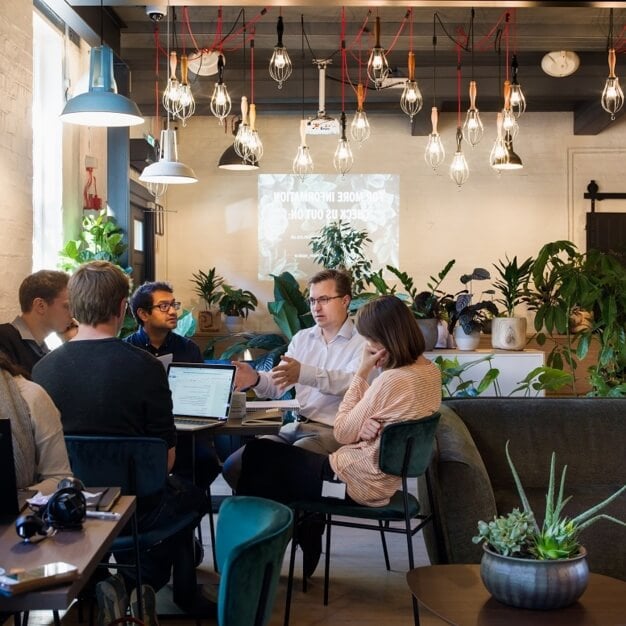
[178, 99]
[612, 95]
[168, 170]
[280, 64]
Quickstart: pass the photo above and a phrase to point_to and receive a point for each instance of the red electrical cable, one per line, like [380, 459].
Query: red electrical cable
[484, 42]
[395, 40]
[458, 85]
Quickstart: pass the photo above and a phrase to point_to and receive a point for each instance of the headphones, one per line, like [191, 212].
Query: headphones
[65, 510]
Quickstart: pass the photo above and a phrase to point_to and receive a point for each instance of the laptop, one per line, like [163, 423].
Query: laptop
[201, 394]
[9, 505]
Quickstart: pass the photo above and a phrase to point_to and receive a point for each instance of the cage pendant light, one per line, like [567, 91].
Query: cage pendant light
[473, 128]
[498, 156]
[360, 126]
[435, 153]
[509, 121]
[280, 64]
[303, 162]
[343, 158]
[101, 105]
[517, 98]
[377, 66]
[612, 95]
[186, 101]
[220, 100]
[459, 170]
[254, 146]
[242, 137]
[411, 100]
[171, 94]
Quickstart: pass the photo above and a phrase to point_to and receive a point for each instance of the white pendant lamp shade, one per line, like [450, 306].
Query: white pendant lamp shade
[101, 105]
[168, 169]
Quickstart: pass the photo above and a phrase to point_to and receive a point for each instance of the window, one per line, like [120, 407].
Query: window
[48, 48]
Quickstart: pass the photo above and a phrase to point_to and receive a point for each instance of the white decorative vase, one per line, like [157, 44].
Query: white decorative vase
[508, 333]
[464, 341]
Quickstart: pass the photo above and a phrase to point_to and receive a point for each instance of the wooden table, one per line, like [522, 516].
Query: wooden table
[456, 594]
[83, 548]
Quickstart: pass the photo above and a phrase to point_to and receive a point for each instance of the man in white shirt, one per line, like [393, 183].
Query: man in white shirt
[319, 362]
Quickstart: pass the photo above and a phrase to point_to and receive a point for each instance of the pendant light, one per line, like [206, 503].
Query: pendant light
[280, 64]
[411, 99]
[360, 127]
[254, 145]
[242, 137]
[220, 100]
[518, 100]
[101, 105]
[499, 154]
[186, 101]
[473, 128]
[377, 66]
[171, 93]
[612, 95]
[435, 153]
[168, 169]
[343, 159]
[459, 170]
[303, 162]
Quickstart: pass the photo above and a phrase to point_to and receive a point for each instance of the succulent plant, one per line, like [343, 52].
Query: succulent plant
[558, 537]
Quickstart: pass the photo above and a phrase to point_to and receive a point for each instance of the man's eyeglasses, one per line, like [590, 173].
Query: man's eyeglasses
[164, 307]
[323, 300]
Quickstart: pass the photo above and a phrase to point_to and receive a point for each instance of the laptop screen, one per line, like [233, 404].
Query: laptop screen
[201, 390]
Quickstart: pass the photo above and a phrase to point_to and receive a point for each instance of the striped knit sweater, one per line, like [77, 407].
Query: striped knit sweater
[404, 393]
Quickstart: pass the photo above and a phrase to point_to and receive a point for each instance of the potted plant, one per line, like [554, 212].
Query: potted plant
[508, 332]
[534, 567]
[207, 286]
[471, 318]
[236, 304]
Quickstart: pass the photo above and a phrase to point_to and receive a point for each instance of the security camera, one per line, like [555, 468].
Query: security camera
[155, 12]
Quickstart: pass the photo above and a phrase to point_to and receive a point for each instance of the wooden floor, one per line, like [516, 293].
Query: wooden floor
[362, 591]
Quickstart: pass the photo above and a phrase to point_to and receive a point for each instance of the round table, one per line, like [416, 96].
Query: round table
[456, 594]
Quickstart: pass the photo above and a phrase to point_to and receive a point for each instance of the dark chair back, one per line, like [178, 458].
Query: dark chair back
[406, 447]
[136, 464]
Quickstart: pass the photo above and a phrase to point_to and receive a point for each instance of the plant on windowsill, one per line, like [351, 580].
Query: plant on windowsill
[207, 286]
[508, 332]
[522, 561]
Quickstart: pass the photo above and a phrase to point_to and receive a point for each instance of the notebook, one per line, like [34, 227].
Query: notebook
[9, 507]
[201, 394]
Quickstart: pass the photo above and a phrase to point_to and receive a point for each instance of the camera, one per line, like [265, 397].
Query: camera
[156, 12]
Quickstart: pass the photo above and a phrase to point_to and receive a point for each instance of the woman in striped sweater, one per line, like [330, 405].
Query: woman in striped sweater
[409, 387]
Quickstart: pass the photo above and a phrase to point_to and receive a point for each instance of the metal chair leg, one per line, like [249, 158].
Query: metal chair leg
[327, 559]
[292, 561]
[383, 540]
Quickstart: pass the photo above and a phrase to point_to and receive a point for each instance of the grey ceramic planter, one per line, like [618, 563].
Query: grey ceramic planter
[533, 584]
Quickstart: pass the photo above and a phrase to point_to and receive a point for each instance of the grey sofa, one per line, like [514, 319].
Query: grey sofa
[471, 478]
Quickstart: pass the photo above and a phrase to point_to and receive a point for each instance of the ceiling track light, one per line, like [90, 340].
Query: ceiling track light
[377, 66]
[220, 100]
[280, 64]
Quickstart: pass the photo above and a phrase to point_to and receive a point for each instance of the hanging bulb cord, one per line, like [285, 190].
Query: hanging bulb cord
[471, 37]
[506, 43]
[157, 98]
[302, 57]
[435, 59]
[458, 89]
[102, 22]
[610, 37]
[343, 60]
[252, 68]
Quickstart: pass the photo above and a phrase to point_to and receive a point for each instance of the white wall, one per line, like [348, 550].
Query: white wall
[514, 213]
[16, 163]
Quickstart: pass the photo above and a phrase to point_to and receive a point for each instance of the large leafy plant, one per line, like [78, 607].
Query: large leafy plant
[518, 534]
[207, 286]
[565, 281]
[471, 316]
[100, 239]
[340, 246]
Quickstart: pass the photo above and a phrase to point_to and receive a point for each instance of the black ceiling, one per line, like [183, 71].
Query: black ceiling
[533, 31]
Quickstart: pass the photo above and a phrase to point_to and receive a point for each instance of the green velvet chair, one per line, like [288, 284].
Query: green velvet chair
[251, 539]
[405, 450]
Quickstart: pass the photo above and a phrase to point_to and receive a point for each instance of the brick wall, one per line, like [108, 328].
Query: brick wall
[16, 166]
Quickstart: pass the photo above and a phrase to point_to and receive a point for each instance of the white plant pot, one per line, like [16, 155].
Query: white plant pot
[233, 323]
[464, 341]
[508, 333]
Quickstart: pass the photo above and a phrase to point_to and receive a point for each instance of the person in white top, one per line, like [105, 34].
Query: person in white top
[319, 363]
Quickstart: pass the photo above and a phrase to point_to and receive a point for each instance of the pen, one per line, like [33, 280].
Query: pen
[103, 515]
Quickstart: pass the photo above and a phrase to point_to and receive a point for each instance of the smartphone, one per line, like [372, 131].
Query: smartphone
[18, 581]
